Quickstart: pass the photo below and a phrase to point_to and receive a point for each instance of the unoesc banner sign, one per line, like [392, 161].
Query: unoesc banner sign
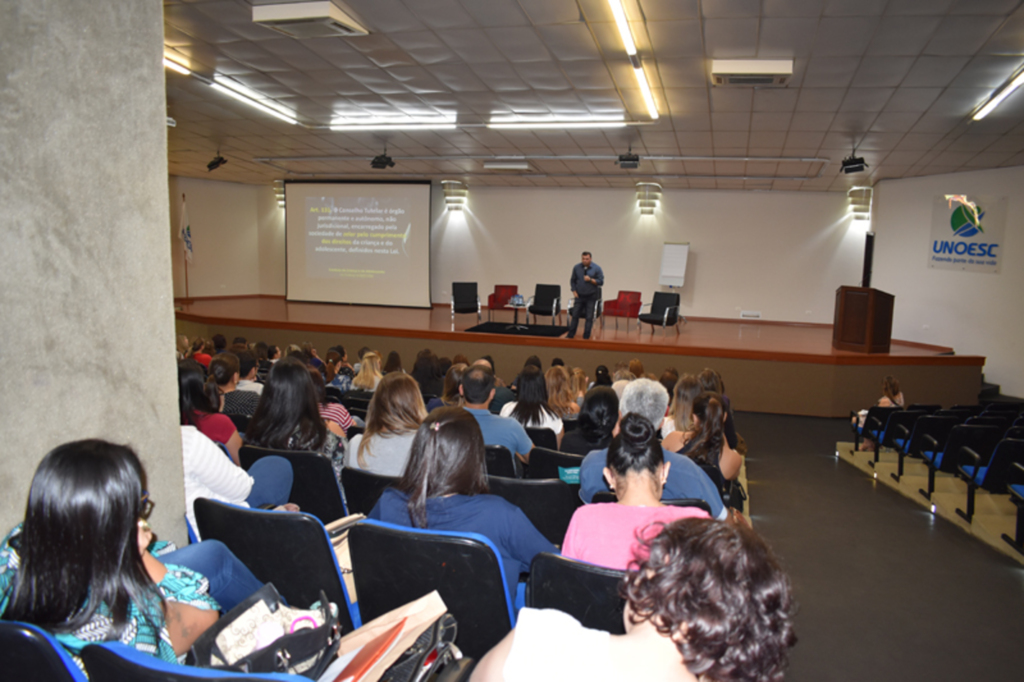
[967, 232]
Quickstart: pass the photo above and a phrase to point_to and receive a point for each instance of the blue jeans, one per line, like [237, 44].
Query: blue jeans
[230, 580]
[272, 481]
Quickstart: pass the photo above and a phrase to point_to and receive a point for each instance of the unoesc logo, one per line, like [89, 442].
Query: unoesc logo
[965, 223]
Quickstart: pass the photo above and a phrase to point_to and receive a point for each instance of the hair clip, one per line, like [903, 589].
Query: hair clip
[436, 426]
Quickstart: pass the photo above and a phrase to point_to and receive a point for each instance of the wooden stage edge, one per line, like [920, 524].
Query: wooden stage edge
[774, 367]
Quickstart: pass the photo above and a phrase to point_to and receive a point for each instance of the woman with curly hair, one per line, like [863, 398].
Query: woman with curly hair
[707, 600]
[561, 400]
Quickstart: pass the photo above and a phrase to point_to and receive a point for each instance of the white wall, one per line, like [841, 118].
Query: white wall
[975, 313]
[780, 253]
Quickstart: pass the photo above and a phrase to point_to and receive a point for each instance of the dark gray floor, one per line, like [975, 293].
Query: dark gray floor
[886, 591]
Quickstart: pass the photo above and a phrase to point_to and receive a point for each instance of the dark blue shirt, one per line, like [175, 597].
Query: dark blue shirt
[584, 288]
[499, 521]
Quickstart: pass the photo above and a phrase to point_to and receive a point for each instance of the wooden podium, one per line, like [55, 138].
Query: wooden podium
[863, 320]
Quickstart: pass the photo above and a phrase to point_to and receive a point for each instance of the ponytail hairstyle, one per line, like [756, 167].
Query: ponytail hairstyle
[452, 380]
[635, 449]
[330, 365]
[197, 346]
[446, 458]
[79, 548]
[601, 376]
[708, 441]
[196, 396]
[223, 369]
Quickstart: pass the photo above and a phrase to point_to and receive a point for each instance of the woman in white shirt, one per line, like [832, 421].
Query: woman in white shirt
[531, 409]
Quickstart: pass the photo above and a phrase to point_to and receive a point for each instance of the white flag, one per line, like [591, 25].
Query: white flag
[185, 231]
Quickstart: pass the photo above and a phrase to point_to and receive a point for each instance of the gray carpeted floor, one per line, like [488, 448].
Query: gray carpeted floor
[886, 590]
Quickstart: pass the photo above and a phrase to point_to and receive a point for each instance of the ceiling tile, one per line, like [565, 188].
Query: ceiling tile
[385, 16]
[854, 8]
[458, 77]
[793, 8]
[731, 8]
[588, 75]
[782, 37]
[984, 6]
[846, 36]
[917, 7]
[495, 12]
[441, 14]
[912, 100]
[882, 71]
[903, 36]
[729, 140]
[682, 73]
[821, 99]
[731, 99]
[879, 141]
[767, 138]
[894, 122]
[499, 77]
[472, 46]
[771, 121]
[962, 35]
[989, 71]
[570, 42]
[551, 11]
[666, 10]
[730, 121]
[812, 121]
[830, 72]
[931, 71]
[424, 47]
[673, 39]
[730, 38]
[519, 44]
[866, 99]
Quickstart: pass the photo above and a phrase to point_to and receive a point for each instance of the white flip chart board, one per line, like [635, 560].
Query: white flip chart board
[673, 264]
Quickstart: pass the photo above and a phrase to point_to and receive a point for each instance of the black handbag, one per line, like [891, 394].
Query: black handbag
[428, 655]
[306, 650]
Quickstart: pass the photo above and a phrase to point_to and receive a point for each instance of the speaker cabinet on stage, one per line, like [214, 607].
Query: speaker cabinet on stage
[863, 320]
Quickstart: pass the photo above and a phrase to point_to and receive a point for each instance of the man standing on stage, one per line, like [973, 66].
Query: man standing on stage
[585, 283]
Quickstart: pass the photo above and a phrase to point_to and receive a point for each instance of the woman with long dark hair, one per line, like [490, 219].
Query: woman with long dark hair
[288, 416]
[450, 396]
[598, 416]
[709, 445]
[199, 404]
[81, 567]
[396, 410]
[706, 600]
[677, 428]
[531, 407]
[444, 487]
[427, 373]
[606, 533]
[225, 372]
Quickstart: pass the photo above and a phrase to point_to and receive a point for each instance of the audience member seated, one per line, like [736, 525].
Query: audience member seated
[337, 372]
[427, 373]
[597, 420]
[198, 402]
[444, 487]
[288, 417]
[620, 380]
[685, 479]
[199, 353]
[708, 445]
[891, 397]
[502, 393]
[677, 427]
[668, 379]
[314, 359]
[83, 564]
[182, 347]
[560, 396]
[335, 416]
[580, 384]
[602, 377]
[531, 409]
[450, 396]
[369, 374]
[477, 390]
[396, 411]
[606, 533]
[707, 601]
[393, 363]
[220, 343]
[532, 361]
[711, 382]
[208, 473]
[225, 372]
[636, 368]
[247, 366]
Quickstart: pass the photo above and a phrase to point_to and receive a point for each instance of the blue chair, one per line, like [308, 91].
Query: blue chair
[981, 439]
[928, 436]
[991, 474]
[394, 565]
[1015, 486]
[115, 662]
[897, 429]
[31, 653]
[290, 549]
[874, 424]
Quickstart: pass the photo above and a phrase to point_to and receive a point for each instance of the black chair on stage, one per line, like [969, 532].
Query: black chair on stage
[465, 300]
[314, 487]
[546, 302]
[393, 565]
[548, 503]
[363, 489]
[588, 593]
[664, 312]
[290, 549]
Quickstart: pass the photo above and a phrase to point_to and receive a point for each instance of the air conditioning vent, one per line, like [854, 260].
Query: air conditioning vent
[303, 20]
[751, 72]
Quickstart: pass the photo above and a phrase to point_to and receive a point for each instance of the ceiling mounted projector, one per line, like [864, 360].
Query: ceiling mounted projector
[629, 161]
[217, 162]
[853, 164]
[308, 20]
[382, 161]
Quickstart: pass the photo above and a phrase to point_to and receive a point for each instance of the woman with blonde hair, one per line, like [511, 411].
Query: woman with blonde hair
[395, 412]
[679, 420]
[183, 347]
[369, 373]
[580, 384]
[561, 399]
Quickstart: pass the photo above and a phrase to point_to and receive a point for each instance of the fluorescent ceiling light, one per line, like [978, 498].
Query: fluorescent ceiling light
[551, 122]
[394, 123]
[175, 66]
[638, 69]
[252, 98]
[998, 99]
[506, 165]
[220, 85]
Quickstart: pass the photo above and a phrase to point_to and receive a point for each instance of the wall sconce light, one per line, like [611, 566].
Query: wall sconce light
[860, 203]
[648, 196]
[455, 194]
[279, 192]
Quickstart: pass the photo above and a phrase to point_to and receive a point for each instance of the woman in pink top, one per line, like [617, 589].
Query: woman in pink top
[607, 533]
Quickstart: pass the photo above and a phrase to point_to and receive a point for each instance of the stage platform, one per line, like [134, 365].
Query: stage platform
[783, 368]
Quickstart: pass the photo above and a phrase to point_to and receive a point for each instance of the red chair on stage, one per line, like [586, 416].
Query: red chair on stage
[627, 305]
[500, 297]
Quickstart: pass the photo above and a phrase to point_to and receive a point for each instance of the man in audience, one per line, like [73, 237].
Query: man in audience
[220, 344]
[685, 479]
[502, 393]
[477, 389]
[247, 373]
